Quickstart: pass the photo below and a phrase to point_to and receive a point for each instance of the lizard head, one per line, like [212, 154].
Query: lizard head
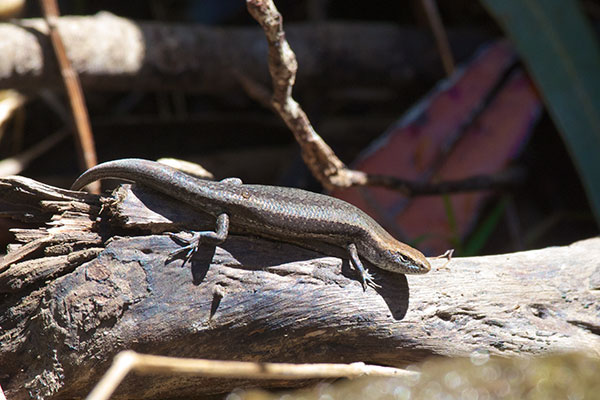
[407, 261]
[398, 257]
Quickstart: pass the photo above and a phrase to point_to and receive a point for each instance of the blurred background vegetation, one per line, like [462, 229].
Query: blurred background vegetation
[231, 134]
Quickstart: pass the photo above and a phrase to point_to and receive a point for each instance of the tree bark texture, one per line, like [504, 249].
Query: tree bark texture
[87, 277]
[115, 53]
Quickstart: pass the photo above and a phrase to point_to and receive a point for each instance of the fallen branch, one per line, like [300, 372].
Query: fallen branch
[80, 285]
[113, 53]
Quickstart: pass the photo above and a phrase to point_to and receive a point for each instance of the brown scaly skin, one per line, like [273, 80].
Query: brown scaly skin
[281, 213]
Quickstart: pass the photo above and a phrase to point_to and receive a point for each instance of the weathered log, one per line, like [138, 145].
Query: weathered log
[115, 53]
[109, 286]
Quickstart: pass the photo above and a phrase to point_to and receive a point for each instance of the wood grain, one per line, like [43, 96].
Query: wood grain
[107, 286]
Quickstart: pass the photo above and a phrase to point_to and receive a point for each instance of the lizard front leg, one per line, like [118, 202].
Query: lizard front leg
[365, 276]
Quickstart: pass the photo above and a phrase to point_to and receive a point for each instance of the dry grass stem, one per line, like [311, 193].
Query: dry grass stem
[127, 361]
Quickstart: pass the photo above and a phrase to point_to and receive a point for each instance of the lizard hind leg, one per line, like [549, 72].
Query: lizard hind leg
[190, 246]
[365, 277]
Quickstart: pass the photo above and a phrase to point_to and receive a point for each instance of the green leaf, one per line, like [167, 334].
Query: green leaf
[559, 49]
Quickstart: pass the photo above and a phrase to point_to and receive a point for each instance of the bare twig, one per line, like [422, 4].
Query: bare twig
[319, 157]
[127, 361]
[503, 179]
[441, 38]
[83, 134]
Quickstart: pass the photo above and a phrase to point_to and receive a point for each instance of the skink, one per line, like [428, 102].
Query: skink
[280, 213]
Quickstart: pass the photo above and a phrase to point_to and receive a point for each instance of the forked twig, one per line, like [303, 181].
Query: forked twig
[319, 157]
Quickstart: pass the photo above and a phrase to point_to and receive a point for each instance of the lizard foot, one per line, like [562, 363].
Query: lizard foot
[189, 246]
[368, 280]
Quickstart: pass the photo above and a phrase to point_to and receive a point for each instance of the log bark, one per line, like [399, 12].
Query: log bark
[115, 53]
[87, 277]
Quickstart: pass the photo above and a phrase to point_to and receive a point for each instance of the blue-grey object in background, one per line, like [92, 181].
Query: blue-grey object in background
[214, 11]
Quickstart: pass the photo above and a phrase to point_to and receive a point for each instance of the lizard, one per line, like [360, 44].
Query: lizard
[282, 213]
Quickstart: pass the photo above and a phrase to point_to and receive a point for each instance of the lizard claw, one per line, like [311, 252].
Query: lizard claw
[190, 246]
[368, 280]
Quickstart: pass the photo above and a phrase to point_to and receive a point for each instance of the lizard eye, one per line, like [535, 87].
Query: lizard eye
[403, 258]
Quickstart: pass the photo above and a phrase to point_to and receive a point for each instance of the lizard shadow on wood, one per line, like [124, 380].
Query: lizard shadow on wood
[265, 255]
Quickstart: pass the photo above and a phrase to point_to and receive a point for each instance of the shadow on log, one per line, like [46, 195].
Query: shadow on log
[87, 277]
